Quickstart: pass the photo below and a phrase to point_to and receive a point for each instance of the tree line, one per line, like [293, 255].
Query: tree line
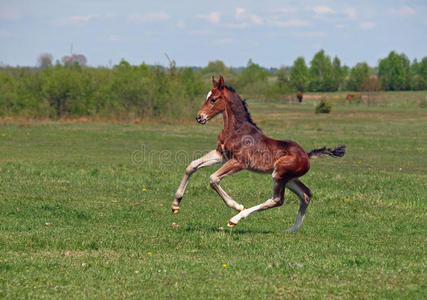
[70, 88]
[393, 73]
[124, 92]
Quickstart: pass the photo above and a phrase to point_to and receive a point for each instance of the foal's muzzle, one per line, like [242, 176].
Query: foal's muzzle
[201, 119]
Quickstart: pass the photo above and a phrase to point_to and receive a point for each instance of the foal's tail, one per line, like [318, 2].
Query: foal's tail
[337, 152]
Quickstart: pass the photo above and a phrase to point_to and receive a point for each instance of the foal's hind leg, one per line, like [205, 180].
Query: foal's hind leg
[304, 194]
[276, 200]
[209, 159]
[230, 167]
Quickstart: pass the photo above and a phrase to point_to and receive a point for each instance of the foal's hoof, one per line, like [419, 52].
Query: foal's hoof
[175, 210]
[231, 224]
[292, 229]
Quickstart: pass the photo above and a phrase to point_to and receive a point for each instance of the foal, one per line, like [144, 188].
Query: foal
[242, 145]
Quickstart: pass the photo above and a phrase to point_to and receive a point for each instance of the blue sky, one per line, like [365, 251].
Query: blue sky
[272, 33]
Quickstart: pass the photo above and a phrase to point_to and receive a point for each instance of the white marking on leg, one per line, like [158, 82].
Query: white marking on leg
[253, 210]
[276, 200]
[230, 167]
[214, 181]
[304, 194]
[298, 223]
[210, 159]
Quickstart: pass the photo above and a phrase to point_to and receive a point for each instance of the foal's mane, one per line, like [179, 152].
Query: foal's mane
[245, 106]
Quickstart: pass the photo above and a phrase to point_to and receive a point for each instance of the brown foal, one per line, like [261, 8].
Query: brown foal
[242, 145]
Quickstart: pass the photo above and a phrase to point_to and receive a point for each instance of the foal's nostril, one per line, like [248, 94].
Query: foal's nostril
[201, 119]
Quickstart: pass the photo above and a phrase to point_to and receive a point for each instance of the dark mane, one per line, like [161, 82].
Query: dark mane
[248, 114]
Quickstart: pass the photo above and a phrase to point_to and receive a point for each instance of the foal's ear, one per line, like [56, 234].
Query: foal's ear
[214, 82]
[221, 83]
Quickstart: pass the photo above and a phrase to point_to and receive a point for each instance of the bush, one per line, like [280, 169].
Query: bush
[125, 92]
[324, 107]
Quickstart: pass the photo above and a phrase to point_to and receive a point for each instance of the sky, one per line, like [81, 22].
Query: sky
[270, 32]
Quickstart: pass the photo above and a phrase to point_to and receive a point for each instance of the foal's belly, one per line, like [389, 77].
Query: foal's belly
[261, 163]
[295, 164]
[261, 171]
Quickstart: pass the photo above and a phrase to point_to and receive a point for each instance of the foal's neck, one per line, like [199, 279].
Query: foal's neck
[235, 115]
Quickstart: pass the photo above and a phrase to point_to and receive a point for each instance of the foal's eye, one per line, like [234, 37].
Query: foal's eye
[213, 100]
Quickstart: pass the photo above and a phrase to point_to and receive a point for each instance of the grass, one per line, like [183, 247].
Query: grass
[105, 190]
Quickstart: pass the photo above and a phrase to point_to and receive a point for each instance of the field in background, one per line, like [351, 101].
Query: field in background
[85, 209]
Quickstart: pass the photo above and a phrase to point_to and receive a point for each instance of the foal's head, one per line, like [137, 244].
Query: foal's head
[215, 102]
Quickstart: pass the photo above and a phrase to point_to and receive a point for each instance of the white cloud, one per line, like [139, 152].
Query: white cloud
[81, 20]
[309, 34]
[241, 14]
[76, 20]
[292, 23]
[286, 10]
[367, 25]
[403, 11]
[149, 17]
[213, 17]
[256, 20]
[322, 10]
[201, 32]
[351, 13]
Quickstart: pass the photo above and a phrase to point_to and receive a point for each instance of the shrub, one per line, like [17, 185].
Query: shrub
[324, 107]
[125, 92]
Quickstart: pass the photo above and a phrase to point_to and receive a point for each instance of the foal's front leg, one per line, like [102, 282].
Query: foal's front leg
[230, 167]
[210, 159]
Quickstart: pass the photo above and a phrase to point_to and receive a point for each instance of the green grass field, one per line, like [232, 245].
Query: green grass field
[85, 210]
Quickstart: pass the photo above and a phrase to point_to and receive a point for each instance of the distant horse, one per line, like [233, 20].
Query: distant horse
[300, 95]
[353, 96]
[242, 145]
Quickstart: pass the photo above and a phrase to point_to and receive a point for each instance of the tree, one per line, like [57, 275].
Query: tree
[422, 72]
[321, 73]
[371, 86]
[345, 71]
[253, 80]
[283, 76]
[278, 90]
[252, 74]
[414, 67]
[358, 75]
[215, 67]
[299, 75]
[45, 60]
[338, 73]
[79, 59]
[419, 74]
[394, 72]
